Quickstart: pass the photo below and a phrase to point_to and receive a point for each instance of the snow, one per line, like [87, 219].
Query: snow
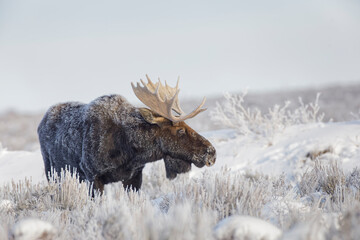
[6, 205]
[32, 229]
[246, 227]
[3, 235]
[18, 165]
[289, 150]
[287, 154]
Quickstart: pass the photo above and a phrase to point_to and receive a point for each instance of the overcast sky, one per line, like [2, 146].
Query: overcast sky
[56, 51]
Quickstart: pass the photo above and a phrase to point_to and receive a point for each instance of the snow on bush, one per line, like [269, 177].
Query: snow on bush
[193, 208]
[325, 179]
[252, 122]
[6, 205]
[32, 229]
[246, 227]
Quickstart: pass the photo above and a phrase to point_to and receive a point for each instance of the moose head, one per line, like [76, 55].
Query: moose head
[180, 144]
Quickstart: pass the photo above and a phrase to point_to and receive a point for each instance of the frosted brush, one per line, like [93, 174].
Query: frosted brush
[109, 140]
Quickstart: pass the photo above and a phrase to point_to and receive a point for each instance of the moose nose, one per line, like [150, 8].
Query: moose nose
[211, 156]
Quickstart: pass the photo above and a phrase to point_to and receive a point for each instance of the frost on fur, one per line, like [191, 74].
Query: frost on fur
[109, 140]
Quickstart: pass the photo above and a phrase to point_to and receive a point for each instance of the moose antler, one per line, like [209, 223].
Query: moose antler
[164, 99]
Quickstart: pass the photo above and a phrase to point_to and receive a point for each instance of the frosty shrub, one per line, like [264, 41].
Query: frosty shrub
[227, 195]
[232, 113]
[349, 224]
[188, 208]
[235, 193]
[245, 227]
[327, 181]
[31, 229]
[59, 193]
[317, 153]
[62, 190]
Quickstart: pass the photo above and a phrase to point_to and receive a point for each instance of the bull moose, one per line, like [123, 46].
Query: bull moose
[109, 140]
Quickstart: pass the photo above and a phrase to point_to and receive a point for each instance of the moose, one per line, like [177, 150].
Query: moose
[110, 140]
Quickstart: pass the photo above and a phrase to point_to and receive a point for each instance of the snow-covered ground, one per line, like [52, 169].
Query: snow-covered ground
[18, 165]
[291, 153]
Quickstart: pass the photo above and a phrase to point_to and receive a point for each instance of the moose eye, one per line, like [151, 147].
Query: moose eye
[181, 131]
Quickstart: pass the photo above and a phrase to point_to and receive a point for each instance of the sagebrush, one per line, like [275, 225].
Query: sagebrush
[251, 122]
[186, 208]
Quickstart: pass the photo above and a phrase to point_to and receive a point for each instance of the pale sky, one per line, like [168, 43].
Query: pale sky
[57, 51]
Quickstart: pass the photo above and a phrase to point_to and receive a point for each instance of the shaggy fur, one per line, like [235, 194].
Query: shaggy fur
[109, 140]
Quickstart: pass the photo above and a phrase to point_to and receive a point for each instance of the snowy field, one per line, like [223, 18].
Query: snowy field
[283, 172]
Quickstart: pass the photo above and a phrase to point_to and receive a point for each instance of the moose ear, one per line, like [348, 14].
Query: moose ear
[151, 117]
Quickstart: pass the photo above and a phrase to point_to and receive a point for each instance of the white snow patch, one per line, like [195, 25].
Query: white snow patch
[316, 228]
[3, 234]
[246, 227]
[33, 229]
[18, 165]
[288, 154]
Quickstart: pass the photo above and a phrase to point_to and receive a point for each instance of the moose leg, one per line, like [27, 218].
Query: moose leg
[134, 182]
[47, 165]
[98, 185]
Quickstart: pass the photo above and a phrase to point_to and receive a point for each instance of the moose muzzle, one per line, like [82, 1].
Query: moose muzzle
[210, 156]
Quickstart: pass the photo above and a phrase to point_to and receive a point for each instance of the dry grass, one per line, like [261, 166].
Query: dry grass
[314, 154]
[188, 208]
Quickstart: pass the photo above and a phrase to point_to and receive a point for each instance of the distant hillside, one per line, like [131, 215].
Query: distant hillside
[19, 131]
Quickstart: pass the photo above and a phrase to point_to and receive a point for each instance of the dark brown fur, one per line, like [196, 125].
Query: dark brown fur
[109, 140]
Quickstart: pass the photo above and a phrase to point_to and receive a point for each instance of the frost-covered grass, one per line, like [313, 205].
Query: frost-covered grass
[191, 208]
